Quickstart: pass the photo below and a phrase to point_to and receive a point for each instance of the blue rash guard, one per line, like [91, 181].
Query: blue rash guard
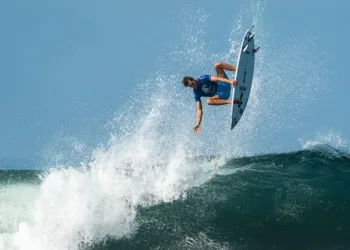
[209, 88]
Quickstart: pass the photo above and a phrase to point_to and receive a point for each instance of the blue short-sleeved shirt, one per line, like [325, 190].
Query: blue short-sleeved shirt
[205, 87]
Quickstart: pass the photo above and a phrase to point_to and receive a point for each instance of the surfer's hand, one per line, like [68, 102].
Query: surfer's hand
[196, 129]
[233, 82]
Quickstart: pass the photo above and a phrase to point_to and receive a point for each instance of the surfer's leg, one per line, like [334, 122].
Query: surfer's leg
[214, 100]
[220, 66]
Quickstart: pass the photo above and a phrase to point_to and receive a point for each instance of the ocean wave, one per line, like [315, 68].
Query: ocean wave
[271, 200]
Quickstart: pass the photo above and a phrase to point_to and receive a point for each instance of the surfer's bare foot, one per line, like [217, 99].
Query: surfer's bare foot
[237, 101]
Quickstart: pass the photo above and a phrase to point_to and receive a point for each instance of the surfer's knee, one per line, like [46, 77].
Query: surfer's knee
[219, 69]
[210, 101]
[218, 66]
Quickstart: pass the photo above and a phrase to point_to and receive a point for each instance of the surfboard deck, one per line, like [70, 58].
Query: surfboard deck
[243, 76]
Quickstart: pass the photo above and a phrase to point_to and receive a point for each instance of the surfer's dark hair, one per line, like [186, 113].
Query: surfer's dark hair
[185, 80]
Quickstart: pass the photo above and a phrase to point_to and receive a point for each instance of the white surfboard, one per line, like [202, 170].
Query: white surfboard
[244, 77]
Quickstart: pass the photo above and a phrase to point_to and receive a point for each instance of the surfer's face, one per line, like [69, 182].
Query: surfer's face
[191, 83]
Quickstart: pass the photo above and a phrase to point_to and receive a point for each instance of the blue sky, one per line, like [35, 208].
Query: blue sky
[69, 66]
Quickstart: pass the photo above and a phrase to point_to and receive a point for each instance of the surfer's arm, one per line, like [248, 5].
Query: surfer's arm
[196, 128]
[221, 79]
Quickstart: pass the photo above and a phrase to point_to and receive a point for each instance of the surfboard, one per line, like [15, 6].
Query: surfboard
[243, 76]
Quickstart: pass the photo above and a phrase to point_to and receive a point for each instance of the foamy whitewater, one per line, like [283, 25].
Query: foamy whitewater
[152, 157]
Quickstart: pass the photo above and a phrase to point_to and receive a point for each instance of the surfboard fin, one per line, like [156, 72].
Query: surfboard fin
[251, 37]
[256, 50]
[245, 48]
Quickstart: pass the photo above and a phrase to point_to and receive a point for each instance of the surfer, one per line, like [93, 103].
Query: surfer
[217, 88]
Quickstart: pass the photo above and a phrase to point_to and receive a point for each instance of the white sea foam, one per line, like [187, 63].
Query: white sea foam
[329, 141]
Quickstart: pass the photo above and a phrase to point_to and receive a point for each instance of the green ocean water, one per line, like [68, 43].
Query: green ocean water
[295, 200]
